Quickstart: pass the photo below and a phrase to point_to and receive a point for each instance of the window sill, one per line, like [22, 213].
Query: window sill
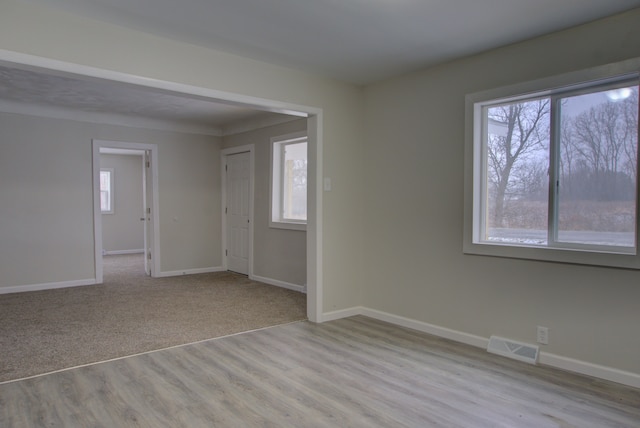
[553, 254]
[288, 225]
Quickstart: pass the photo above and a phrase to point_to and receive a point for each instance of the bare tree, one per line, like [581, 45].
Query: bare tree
[605, 139]
[630, 112]
[522, 132]
[568, 155]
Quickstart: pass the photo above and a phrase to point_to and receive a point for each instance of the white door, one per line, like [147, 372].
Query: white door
[237, 209]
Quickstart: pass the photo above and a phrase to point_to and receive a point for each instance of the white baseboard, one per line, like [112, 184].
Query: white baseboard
[590, 369]
[191, 271]
[118, 252]
[447, 333]
[545, 358]
[343, 313]
[278, 283]
[46, 286]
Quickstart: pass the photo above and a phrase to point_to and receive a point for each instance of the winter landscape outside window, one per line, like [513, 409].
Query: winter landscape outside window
[557, 168]
[106, 190]
[289, 182]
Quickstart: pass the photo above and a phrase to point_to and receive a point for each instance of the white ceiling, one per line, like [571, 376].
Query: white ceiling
[358, 41]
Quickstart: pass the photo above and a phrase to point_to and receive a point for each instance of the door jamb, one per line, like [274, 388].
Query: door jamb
[248, 148]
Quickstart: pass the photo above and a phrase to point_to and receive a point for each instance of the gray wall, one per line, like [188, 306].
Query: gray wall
[278, 253]
[414, 170]
[123, 230]
[46, 214]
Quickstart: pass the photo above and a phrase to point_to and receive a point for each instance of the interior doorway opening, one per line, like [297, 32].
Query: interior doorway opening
[146, 155]
[314, 117]
[123, 206]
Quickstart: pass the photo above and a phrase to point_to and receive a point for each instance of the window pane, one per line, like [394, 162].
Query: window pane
[104, 201]
[598, 163]
[294, 189]
[105, 191]
[105, 180]
[517, 153]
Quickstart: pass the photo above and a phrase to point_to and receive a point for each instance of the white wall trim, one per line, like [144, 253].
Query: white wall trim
[117, 252]
[447, 333]
[315, 219]
[590, 369]
[190, 271]
[545, 358]
[342, 313]
[46, 286]
[278, 283]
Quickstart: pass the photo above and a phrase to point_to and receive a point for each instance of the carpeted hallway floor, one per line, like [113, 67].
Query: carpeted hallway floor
[130, 313]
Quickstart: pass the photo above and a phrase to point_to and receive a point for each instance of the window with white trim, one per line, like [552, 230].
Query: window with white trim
[289, 181]
[106, 190]
[556, 168]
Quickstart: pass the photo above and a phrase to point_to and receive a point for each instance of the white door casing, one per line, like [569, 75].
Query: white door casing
[238, 202]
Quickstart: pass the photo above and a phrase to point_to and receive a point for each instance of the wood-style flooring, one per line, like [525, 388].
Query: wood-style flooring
[354, 372]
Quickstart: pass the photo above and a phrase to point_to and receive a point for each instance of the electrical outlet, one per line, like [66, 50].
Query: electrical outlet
[543, 335]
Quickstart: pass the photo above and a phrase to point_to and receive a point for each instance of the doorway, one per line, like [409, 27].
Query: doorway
[238, 210]
[122, 202]
[315, 131]
[147, 154]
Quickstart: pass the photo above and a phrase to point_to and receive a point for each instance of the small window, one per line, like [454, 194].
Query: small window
[556, 169]
[106, 190]
[289, 182]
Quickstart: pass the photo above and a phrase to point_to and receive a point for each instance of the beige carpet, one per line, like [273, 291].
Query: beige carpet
[44, 331]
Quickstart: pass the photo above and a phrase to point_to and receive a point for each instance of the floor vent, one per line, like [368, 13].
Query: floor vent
[516, 350]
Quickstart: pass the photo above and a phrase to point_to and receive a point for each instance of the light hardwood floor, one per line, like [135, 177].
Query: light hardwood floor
[355, 372]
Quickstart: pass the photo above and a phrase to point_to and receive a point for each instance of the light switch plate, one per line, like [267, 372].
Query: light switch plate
[327, 184]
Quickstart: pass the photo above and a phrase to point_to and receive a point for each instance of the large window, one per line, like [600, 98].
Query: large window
[557, 169]
[289, 182]
[106, 190]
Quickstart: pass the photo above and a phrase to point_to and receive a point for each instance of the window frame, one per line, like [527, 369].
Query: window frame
[278, 143]
[112, 180]
[475, 166]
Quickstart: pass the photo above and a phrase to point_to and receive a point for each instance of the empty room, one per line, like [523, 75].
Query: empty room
[465, 252]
